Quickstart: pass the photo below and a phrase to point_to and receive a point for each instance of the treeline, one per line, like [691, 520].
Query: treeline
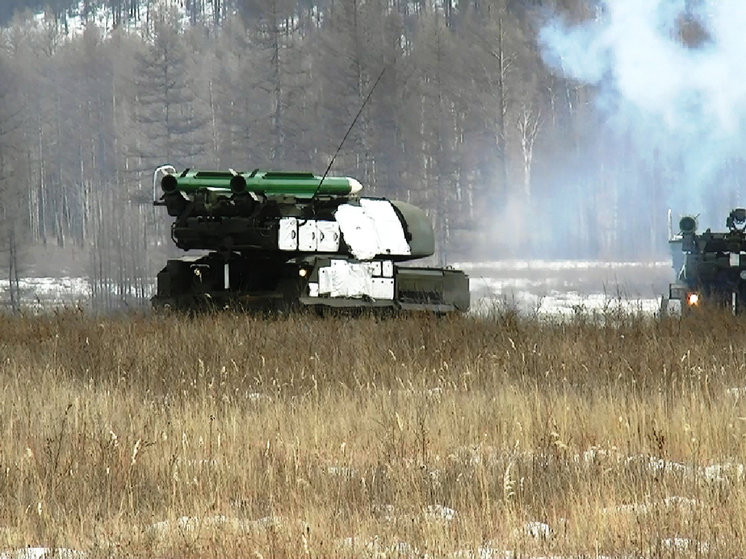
[466, 121]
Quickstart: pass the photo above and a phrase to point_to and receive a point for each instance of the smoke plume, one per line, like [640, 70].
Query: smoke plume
[669, 77]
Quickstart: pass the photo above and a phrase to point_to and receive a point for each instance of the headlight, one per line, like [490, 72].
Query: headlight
[692, 299]
[303, 272]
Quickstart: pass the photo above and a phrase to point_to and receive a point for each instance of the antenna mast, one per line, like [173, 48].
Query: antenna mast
[354, 120]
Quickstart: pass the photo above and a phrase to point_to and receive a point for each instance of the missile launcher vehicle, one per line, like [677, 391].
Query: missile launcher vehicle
[711, 266]
[278, 241]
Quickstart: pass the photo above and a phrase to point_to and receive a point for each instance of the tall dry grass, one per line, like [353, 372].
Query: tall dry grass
[231, 435]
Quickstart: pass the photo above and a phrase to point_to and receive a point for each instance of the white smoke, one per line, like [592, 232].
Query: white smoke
[686, 103]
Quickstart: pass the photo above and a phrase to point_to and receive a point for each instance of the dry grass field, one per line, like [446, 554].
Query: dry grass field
[467, 437]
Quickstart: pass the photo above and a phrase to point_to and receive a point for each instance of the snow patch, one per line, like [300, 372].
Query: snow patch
[43, 553]
[535, 530]
[439, 512]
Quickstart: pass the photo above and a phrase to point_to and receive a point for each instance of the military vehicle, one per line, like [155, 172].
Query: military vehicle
[277, 240]
[711, 266]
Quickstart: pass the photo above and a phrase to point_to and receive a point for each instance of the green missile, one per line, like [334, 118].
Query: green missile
[269, 183]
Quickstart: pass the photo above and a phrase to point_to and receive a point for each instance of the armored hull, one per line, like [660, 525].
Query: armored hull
[272, 240]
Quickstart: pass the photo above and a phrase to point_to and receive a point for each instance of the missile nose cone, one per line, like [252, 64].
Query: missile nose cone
[355, 186]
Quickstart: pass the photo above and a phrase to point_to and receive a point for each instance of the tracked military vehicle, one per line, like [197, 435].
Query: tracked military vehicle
[711, 266]
[277, 240]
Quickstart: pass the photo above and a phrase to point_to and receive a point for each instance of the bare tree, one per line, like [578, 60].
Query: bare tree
[280, 80]
[349, 59]
[169, 120]
[495, 51]
[436, 62]
[528, 124]
[13, 181]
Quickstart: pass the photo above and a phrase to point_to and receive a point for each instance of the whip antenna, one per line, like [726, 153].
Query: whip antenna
[354, 120]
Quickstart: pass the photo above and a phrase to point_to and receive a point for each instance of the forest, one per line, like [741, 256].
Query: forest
[518, 125]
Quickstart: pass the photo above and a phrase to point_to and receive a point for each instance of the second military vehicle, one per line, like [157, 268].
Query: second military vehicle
[278, 240]
[711, 265]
